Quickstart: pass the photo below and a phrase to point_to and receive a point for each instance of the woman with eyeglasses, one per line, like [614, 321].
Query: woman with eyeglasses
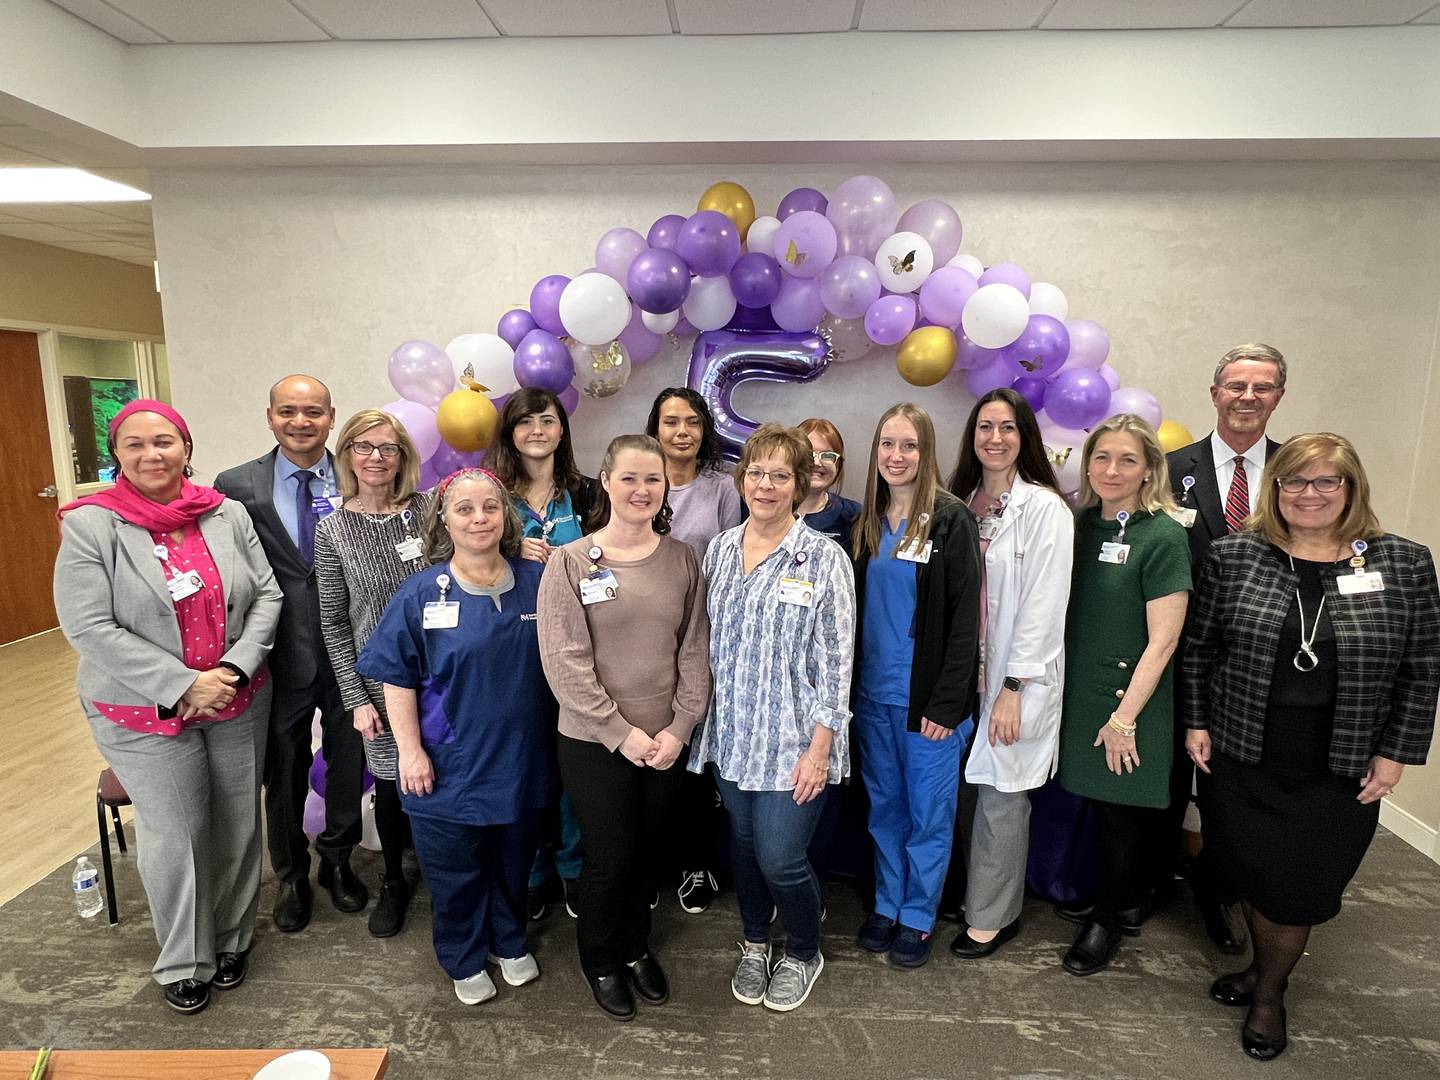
[824, 509]
[362, 554]
[1311, 676]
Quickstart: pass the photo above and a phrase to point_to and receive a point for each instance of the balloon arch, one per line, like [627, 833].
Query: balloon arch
[777, 298]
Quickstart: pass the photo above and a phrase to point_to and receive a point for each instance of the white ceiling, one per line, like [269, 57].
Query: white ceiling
[154, 22]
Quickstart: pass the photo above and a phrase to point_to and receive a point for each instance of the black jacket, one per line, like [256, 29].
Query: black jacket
[944, 676]
[1198, 460]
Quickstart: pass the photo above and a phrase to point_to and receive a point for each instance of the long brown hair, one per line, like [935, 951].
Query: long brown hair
[504, 460]
[1357, 522]
[929, 491]
[1032, 463]
[600, 515]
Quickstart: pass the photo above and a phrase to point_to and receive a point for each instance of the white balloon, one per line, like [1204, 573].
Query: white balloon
[904, 261]
[594, 308]
[761, 236]
[710, 304]
[1047, 299]
[660, 324]
[486, 358]
[968, 262]
[995, 315]
[1065, 449]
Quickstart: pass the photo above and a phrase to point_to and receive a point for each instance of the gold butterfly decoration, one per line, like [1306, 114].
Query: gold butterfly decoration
[1058, 457]
[467, 379]
[794, 256]
[1032, 366]
[902, 266]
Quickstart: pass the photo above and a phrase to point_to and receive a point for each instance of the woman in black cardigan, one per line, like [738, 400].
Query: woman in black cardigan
[1311, 676]
[917, 589]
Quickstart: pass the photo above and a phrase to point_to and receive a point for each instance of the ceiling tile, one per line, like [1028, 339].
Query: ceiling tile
[114, 22]
[130, 232]
[130, 211]
[763, 16]
[385, 20]
[1328, 12]
[566, 18]
[1136, 14]
[11, 156]
[70, 214]
[113, 248]
[45, 234]
[55, 149]
[951, 15]
[209, 21]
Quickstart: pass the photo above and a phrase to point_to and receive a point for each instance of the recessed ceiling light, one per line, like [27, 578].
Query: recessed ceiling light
[25, 185]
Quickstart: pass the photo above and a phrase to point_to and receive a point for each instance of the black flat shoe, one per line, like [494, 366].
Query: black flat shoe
[292, 906]
[612, 994]
[390, 903]
[229, 970]
[967, 948]
[1227, 990]
[1264, 1047]
[649, 980]
[1093, 950]
[1079, 914]
[346, 890]
[187, 995]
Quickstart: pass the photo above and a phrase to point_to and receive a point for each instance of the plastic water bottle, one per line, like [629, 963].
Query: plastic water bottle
[85, 884]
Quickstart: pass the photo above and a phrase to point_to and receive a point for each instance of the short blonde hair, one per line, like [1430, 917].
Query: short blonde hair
[1155, 495]
[1357, 521]
[407, 476]
[788, 442]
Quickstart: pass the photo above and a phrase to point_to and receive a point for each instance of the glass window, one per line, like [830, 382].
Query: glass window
[99, 377]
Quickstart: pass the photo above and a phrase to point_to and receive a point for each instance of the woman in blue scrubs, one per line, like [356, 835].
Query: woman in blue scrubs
[474, 724]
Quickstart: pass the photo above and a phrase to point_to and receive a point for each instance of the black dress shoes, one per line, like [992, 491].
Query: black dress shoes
[1131, 920]
[648, 979]
[390, 903]
[229, 970]
[612, 994]
[346, 890]
[1227, 990]
[1093, 950]
[292, 906]
[1264, 1047]
[187, 995]
[1079, 914]
[967, 948]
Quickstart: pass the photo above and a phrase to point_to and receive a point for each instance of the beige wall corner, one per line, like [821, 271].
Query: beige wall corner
[56, 287]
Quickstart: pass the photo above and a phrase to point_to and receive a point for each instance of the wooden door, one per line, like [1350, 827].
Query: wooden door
[27, 489]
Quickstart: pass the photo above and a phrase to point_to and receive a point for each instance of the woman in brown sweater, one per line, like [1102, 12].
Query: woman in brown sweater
[624, 639]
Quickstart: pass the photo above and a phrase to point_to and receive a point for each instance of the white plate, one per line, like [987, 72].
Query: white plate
[299, 1065]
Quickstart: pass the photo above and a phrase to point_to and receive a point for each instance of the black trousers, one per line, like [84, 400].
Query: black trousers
[1127, 841]
[287, 777]
[625, 814]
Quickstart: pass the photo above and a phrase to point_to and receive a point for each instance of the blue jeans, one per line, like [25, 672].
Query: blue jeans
[769, 838]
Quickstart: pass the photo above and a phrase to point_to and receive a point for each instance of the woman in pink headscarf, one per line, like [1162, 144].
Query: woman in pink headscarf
[163, 590]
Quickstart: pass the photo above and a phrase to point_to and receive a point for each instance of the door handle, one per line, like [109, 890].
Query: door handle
[49, 491]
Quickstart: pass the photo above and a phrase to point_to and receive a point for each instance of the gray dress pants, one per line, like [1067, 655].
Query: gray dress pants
[999, 843]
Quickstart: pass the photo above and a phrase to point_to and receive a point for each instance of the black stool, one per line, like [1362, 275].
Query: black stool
[110, 792]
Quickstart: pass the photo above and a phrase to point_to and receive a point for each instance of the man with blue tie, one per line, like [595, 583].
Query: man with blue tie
[286, 492]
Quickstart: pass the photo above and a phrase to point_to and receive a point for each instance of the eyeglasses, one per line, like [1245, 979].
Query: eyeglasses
[779, 478]
[1237, 389]
[1325, 485]
[365, 449]
[826, 457]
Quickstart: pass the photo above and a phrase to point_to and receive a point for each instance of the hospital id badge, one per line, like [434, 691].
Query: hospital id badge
[1112, 552]
[325, 505]
[183, 585]
[598, 588]
[1360, 582]
[909, 554]
[409, 548]
[440, 615]
[989, 528]
[1185, 515]
[797, 592]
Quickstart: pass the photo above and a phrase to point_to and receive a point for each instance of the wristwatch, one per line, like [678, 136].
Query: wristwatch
[1012, 683]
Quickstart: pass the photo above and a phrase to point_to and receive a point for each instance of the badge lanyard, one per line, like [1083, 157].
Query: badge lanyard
[409, 549]
[324, 504]
[793, 587]
[598, 585]
[1361, 580]
[1117, 551]
[180, 583]
[1186, 484]
[914, 551]
[441, 614]
[990, 523]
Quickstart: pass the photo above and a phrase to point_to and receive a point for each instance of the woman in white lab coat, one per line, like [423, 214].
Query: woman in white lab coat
[1027, 547]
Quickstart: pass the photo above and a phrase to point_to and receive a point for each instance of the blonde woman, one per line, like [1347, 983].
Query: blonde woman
[362, 554]
[917, 583]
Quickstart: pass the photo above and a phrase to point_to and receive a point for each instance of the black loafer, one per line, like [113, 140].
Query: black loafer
[292, 906]
[1227, 990]
[1264, 1047]
[1093, 950]
[967, 948]
[346, 890]
[1079, 914]
[229, 970]
[649, 980]
[612, 994]
[187, 995]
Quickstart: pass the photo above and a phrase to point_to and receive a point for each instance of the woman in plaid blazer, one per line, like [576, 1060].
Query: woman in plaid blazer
[1311, 674]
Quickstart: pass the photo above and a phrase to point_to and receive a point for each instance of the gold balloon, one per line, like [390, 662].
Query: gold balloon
[467, 419]
[926, 355]
[732, 200]
[1173, 436]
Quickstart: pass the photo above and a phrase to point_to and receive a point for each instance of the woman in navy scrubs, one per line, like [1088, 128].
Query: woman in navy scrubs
[474, 723]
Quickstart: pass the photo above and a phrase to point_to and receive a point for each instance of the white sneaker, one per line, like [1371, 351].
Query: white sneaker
[475, 989]
[519, 971]
[791, 982]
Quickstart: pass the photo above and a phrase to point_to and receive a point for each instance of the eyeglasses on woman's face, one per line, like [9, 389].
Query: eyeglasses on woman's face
[826, 457]
[778, 477]
[365, 449]
[1325, 485]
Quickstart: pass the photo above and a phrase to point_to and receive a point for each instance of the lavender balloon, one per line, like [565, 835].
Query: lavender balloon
[890, 318]
[943, 296]
[1040, 349]
[1089, 343]
[545, 303]
[514, 325]
[665, 232]
[938, 223]
[804, 245]
[805, 198]
[616, 251]
[798, 307]
[445, 461]
[542, 360]
[1031, 389]
[658, 281]
[1077, 398]
[419, 421]
[1108, 373]
[1007, 274]
[980, 381]
[862, 209]
[709, 243]
[640, 341]
[755, 279]
[421, 372]
[848, 286]
[724, 359]
[969, 356]
[1142, 403]
[570, 399]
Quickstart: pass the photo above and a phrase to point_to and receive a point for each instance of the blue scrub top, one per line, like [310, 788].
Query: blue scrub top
[836, 519]
[559, 515]
[888, 648]
[487, 717]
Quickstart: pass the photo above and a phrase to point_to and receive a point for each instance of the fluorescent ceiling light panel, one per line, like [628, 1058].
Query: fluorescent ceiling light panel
[25, 185]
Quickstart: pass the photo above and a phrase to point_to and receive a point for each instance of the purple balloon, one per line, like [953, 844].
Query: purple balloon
[1077, 398]
[665, 232]
[943, 296]
[683, 327]
[1007, 274]
[755, 279]
[723, 359]
[1142, 403]
[419, 422]
[980, 381]
[1108, 373]
[640, 341]
[709, 243]
[445, 461]
[658, 281]
[514, 325]
[1031, 389]
[969, 356]
[1089, 343]
[421, 372]
[798, 307]
[570, 399]
[862, 209]
[848, 286]
[803, 198]
[542, 360]
[804, 245]
[545, 303]
[616, 251]
[1040, 349]
[889, 319]
[938, 223]
[755, 319]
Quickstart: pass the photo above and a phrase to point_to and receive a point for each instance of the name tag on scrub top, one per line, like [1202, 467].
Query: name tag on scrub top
[797, 592]
[598, 588]
[1112, 552]
[440, 615]
[1360, 582]
[409, 548]
[909, 554]
[183, 585]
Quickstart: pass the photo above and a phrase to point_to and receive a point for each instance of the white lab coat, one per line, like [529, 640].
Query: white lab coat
[1027, 590]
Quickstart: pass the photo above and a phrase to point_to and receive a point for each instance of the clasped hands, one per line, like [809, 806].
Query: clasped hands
[211, 692]
[657, 753]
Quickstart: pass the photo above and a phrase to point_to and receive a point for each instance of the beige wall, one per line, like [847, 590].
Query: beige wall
[52, 286]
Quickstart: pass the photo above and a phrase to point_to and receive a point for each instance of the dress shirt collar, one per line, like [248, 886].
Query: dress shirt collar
[324, 469]
[788, 543]
[1224, 455]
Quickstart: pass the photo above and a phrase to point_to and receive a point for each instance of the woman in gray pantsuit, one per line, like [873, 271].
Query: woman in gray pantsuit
[162, 588]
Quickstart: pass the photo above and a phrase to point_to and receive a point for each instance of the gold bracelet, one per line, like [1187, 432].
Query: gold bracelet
[825, 768]
[1128, 730]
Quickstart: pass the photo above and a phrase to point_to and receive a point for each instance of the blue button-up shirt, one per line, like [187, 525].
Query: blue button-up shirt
[324, 484]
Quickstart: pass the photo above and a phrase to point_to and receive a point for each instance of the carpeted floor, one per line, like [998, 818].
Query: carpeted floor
[1365, 1003]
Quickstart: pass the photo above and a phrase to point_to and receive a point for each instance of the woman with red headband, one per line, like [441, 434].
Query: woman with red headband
[163, 590]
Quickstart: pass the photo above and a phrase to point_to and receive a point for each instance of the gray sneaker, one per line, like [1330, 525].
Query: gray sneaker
[752, 974]
[791, 981]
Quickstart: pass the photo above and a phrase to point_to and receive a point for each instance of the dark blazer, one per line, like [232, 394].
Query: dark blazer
[943, 677]
[1198, 460]
[1389, 660]
[299, 654]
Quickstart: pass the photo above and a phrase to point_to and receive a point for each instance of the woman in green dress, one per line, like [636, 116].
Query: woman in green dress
[1128, 594]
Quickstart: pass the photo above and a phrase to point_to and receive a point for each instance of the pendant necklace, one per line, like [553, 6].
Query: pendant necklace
[1305, 658]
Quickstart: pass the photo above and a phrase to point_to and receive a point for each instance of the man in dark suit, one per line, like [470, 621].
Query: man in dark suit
[286, 492]
[1216, 483]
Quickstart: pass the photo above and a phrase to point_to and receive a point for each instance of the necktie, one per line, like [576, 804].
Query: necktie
[305, 517]
[1237, 503]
